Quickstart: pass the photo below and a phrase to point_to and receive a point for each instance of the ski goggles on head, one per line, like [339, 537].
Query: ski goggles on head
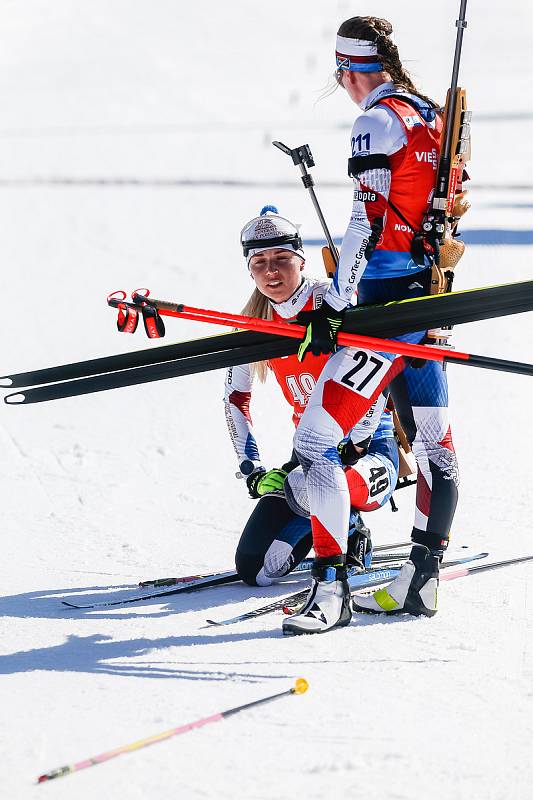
[270, 232]
[356, 55]
[288, 242]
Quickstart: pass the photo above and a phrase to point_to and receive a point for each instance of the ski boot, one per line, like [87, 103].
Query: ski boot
[328, 603]
[359, 552]
[414, 591]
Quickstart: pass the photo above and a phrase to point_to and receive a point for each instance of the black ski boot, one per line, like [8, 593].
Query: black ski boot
[414, 591]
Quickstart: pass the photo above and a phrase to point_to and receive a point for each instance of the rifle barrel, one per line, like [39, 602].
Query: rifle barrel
[461, 25]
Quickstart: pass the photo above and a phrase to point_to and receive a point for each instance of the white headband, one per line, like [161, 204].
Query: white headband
[356, 47]
[357, 55]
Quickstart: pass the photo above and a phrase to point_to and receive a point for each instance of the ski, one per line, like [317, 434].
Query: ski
[357, 582]
[444, 354]
[303, 566]
[378, 554]
[137, 358]
[387, 320]
[196, 583]
[205, 363]
[362, 580]
[119, 379]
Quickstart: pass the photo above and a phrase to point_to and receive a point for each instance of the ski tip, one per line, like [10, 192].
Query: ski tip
[301, 686]
[70, 605]
[211, 622]
[15, 399]
[6, 382]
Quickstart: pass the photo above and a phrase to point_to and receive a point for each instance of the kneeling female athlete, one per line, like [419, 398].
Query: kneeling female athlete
[278, 534]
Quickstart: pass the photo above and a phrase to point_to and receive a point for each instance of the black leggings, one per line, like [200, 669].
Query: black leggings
[275, 540]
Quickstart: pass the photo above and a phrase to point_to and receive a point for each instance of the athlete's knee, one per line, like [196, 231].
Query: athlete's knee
[272, 543]
[440, 455]
[263, 569]
[248, 565]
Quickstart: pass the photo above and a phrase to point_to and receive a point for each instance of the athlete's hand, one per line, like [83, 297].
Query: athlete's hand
[350, 453]
[322, 329]
[261, 482]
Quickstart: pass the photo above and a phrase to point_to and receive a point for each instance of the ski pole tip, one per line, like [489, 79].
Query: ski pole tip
[301, 686]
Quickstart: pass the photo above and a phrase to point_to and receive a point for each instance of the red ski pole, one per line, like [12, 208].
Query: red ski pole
[289, 329]
[293, 330]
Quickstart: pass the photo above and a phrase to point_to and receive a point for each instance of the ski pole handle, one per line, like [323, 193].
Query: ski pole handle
[303, 158]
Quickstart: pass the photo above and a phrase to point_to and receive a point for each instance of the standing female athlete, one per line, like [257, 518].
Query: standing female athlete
[278, 534]
[394, 157]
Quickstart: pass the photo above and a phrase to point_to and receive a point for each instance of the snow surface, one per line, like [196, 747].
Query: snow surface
[123, 124]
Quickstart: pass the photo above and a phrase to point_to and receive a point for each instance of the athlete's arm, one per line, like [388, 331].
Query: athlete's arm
[368, 425]
[237, 396]
[376, 133]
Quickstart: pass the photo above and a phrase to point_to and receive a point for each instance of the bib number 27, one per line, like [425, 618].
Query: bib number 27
[367, 373]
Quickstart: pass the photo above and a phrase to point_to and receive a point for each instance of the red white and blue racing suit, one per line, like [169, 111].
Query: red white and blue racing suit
[395, 150]
[370, 481]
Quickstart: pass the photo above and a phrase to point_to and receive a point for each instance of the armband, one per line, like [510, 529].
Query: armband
[358, 164]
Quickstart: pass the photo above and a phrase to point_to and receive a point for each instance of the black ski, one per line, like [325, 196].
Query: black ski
[371, 577]
[379, 554]
[240, 347]
[193, 585]
[357, 582]
[137, 358]
[193, 365]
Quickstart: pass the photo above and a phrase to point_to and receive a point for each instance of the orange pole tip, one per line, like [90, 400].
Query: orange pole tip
[300, 686]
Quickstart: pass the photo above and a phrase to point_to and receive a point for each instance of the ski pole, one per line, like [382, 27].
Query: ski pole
[462, 573]
[299, 687]
[303, 158]
[429, 353]
[386, 320]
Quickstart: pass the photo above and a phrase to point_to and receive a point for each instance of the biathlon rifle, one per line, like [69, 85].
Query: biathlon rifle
[449, 203]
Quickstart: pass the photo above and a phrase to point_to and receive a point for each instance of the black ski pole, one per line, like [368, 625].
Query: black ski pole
[303, 158]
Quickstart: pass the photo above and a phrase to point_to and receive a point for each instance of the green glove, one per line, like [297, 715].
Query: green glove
[260, 483]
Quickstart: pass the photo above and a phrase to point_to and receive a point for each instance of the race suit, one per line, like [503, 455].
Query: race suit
[399, 135]
[369, 482]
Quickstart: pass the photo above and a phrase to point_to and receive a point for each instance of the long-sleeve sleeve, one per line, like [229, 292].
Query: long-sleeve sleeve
[375, 133]
[237, 397]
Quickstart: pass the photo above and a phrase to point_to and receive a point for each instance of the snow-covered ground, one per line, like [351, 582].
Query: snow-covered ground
[134, 143]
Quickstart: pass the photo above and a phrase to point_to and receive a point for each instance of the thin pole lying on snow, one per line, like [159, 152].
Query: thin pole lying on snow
[299, 687]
